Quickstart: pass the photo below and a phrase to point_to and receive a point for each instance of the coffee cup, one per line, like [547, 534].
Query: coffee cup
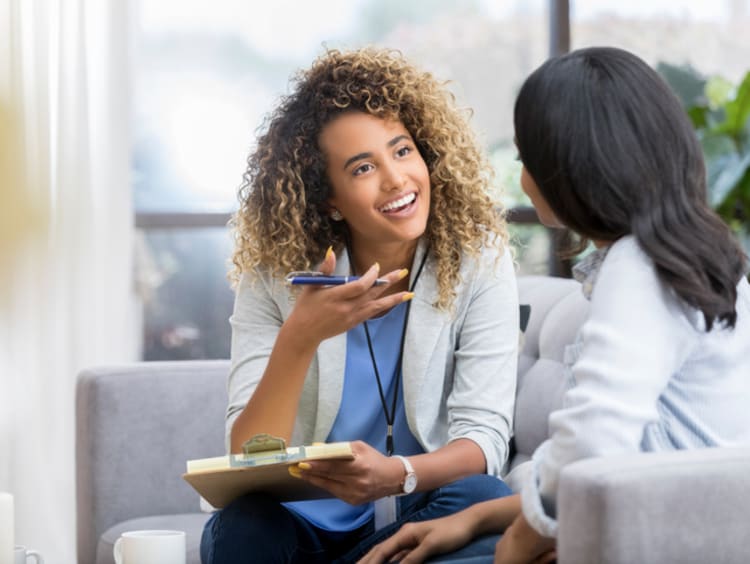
[150, 547]
[21, 555]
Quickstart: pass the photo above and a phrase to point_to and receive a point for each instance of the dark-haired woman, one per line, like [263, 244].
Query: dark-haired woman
[663, 360]
[369, 167]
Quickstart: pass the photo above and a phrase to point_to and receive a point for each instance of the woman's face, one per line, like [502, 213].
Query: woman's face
[545, 213]
[380, 183]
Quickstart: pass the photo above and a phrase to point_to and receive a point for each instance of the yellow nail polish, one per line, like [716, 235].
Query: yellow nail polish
[403, 273]
[304, 466]
[329, 252]
[376, 266]
[407, 296]
[294, 471]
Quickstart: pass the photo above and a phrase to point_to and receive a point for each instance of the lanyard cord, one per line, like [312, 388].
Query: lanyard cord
[390, 416]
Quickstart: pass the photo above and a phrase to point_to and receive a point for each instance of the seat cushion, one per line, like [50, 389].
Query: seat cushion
[191, 523]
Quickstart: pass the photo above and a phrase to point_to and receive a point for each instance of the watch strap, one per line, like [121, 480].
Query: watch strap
[409, 471]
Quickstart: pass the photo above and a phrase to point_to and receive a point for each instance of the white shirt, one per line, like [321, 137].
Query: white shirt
[644, 376]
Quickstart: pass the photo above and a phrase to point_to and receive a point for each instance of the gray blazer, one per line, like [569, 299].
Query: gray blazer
[459, 367]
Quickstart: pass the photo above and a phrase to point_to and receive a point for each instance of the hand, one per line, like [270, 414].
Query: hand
[369, 476]
[521, 544]
[415, 542]
[323, 312]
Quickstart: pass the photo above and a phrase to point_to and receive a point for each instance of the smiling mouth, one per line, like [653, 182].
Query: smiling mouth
[400, 204]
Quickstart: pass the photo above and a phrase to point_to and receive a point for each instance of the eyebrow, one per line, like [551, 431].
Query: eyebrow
[360, 156]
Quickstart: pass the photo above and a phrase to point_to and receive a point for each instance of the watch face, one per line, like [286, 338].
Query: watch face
[410, 483]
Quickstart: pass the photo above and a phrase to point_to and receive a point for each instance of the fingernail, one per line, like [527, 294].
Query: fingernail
[294, 471]
[304, 466]
[376, 266]
[329, 252]
[407, 296]
[317, 444]
[402, 273]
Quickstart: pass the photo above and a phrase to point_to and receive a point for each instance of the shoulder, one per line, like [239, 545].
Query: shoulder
[260, 285]
[494, 259]
[628, 285]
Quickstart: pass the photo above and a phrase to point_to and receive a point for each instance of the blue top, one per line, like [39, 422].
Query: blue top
[361, 416]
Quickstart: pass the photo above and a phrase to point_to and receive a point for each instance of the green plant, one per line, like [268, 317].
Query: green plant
[720, 112]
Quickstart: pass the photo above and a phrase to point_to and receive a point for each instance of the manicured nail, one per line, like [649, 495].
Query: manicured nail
[407, 296]
[294, 471]
[304, 466]
[376, 266]
[329, 252]
[403, 273]
[317, 443]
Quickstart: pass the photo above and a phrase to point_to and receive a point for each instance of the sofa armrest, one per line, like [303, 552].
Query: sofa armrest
[679, 506]
[136, 425]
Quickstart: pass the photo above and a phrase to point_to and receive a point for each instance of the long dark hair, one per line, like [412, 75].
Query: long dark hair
[613, 153]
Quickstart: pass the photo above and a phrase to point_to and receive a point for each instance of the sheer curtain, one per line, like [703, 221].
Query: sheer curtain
[66, 297]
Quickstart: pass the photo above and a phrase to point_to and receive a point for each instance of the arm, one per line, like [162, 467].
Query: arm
[283, 349]
[415, 542]
[482, 397]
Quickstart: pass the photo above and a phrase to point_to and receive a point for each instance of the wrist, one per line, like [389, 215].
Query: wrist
[408, 477]
[295, 340]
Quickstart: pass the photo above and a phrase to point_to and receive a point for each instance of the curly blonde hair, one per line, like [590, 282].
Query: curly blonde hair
[282, 223]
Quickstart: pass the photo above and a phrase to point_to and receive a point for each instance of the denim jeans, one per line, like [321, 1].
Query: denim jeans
[256, 528]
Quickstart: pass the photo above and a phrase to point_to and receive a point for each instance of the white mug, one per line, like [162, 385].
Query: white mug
[150, 547]
[21, 555]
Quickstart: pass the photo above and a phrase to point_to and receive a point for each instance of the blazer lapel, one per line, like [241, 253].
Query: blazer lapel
[426, 323]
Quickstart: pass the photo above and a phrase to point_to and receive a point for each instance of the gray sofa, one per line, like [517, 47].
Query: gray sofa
[138, 424]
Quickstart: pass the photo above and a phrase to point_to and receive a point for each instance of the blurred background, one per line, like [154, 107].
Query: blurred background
[205, 74]
[124, 129]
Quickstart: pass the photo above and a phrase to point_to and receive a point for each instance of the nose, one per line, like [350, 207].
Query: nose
[393, 177]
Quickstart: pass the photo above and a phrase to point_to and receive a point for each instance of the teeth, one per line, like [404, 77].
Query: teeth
[401, 202]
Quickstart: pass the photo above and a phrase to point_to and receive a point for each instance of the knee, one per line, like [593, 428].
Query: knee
[247, 524]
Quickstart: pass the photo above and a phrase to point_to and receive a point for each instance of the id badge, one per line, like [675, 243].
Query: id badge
[385, 511]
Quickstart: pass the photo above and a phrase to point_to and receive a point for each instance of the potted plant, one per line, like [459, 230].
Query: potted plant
[720, 113]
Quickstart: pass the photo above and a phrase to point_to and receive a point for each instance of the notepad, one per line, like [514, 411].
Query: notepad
[262, 467]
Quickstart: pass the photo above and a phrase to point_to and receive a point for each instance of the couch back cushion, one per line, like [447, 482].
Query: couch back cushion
[558, 309]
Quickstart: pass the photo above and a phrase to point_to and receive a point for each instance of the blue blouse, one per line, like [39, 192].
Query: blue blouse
[361, 416]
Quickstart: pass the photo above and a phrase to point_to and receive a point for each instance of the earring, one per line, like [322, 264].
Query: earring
[336, 215]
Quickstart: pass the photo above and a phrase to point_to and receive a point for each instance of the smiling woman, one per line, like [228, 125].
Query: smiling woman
[369, 167]
[382, 191]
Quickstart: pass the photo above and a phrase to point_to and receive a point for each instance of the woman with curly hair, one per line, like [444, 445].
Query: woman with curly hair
[368, 169]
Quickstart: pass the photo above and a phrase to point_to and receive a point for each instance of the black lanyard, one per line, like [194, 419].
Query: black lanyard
[390, 415]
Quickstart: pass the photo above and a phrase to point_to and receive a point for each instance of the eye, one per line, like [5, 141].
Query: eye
[361, 169]
[403, 151]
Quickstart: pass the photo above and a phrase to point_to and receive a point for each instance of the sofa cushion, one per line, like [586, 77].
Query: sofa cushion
[558, 311]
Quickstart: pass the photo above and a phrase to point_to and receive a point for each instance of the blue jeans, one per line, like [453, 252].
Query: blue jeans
[257, 528]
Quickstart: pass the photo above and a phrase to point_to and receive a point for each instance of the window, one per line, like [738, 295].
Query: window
[706, 34]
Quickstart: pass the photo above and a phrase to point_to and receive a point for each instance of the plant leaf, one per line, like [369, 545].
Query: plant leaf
[729, 171]
[737, 110]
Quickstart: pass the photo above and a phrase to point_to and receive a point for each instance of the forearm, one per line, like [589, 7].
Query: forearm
[493, 516]
[273, 406]
[456, 460]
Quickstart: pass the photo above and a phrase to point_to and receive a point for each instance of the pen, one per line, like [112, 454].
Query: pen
[319, 279]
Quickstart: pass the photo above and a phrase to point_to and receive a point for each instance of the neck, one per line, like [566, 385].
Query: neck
[390, 257]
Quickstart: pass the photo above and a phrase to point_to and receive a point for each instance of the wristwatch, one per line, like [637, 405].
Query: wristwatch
[410, 480]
